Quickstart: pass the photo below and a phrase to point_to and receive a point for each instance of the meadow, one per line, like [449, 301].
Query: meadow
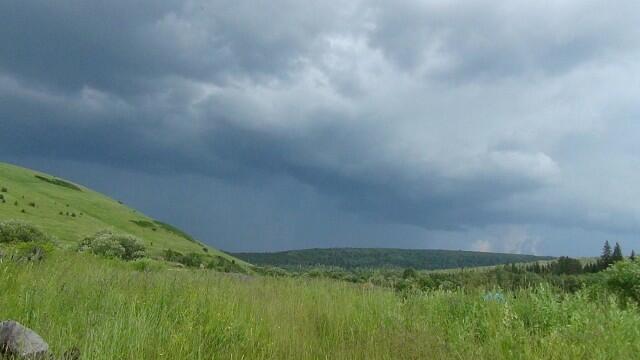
[111, 309]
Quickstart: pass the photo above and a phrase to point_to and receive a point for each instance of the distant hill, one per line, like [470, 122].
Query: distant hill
[350, 258]
[70, 211]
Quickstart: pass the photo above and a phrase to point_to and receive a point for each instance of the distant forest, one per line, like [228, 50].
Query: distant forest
[351, 258]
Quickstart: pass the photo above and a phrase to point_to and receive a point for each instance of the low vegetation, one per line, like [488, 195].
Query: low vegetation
[116, 311]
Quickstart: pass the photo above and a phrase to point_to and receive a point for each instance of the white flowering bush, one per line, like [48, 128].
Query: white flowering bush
[108, 244]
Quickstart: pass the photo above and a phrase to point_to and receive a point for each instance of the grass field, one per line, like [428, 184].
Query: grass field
[109, 310]
[69, 212]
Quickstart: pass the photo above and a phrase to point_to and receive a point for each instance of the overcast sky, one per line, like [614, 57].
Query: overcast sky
[268, 125]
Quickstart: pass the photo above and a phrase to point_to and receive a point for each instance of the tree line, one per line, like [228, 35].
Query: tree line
[571, 266]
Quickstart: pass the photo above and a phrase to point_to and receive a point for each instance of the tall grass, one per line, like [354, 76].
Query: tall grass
[109, 310]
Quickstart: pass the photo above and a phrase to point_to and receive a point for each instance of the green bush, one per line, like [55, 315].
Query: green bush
[623, 278]
[20, 231]
[147, 265]
[192, 260]
[221, 264]
[409, 273]
[173, 256]
[108, 244]
[133, 247]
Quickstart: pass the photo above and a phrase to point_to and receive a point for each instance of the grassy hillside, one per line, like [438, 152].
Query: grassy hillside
[70, 211]
[350, 258]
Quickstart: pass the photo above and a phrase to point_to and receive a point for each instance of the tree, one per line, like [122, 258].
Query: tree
[567, 265]
[617, 254]
[409, 273]
[633, 255]
[605, 258]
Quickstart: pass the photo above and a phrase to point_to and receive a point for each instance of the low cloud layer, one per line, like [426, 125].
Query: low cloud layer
[490, 125]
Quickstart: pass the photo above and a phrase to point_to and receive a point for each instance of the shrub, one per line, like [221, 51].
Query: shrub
[173, 256]
[4, 190]
[133, 247]
[623, 278]
[32, 204]
[20, 231]
[219, 263]
[103, 244]
[146, 265]
[409, 273]
[192, 260]
[106, 243]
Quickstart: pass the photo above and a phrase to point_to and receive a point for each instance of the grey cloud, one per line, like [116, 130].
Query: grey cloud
[235, 153]
[373, 106]
[120, 46]
[490, 40]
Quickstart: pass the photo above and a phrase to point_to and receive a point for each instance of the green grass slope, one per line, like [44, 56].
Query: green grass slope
[350, 258]
[70, 211]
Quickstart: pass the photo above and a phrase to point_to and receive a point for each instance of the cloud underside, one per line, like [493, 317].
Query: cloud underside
[439, 115]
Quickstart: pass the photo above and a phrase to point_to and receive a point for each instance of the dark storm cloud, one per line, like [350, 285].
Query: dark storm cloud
[434, 115]
[241, 154]
[119, 45]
